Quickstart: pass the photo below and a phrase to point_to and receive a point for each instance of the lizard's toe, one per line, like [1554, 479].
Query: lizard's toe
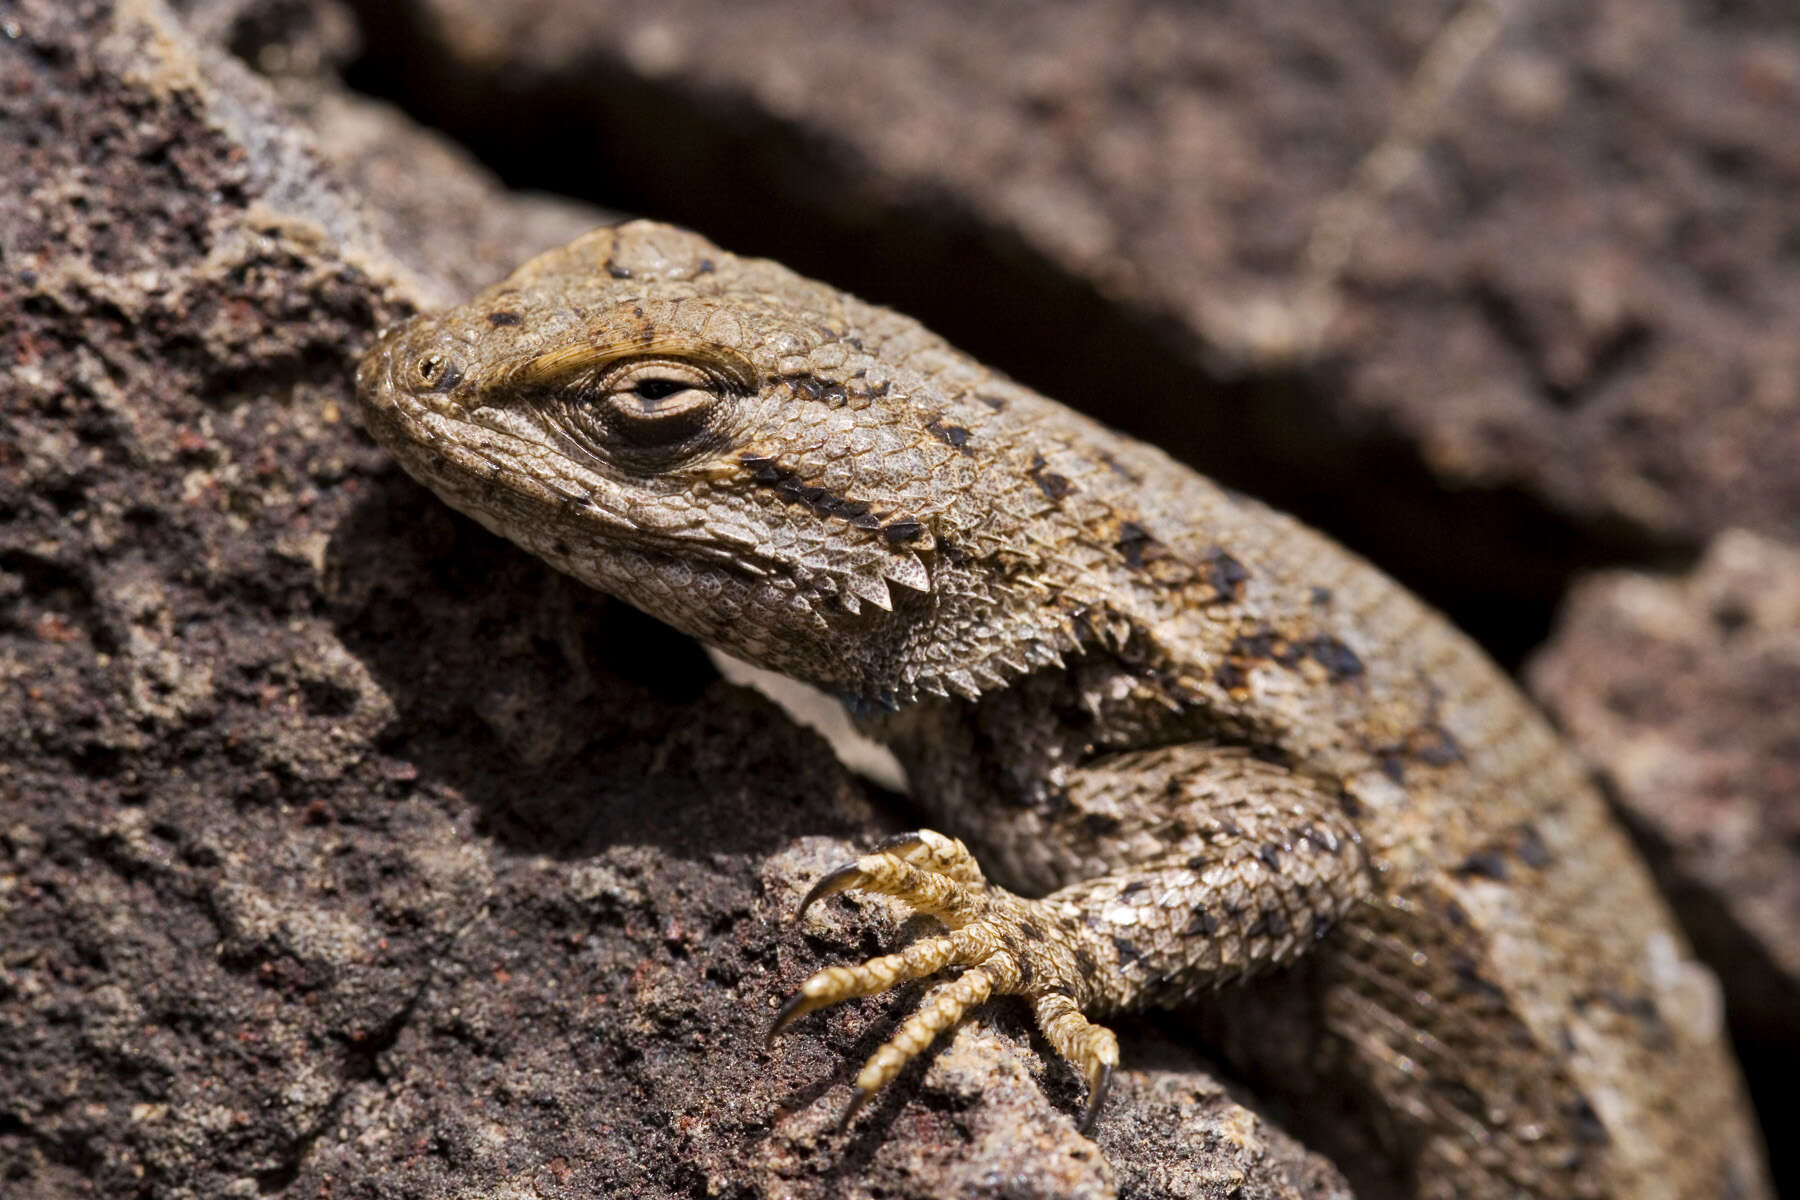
[1006, 945]
[1092, 1048]
[922, 958]
[922, 868]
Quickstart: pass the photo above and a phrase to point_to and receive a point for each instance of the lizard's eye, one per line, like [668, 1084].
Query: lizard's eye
[658, 402]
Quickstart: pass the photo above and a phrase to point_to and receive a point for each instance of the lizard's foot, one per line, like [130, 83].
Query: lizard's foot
[1005, 943]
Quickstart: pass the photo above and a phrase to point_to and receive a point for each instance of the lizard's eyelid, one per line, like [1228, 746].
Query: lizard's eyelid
[659, 404]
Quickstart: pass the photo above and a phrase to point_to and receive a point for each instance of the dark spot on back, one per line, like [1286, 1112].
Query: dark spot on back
[1270, 923]
[1225, 575]
[1100, 824]
[763, 470]
[950, 435]
[1339, 661]
[499, 319]
[1270, 854]
[813, 388]
[904, 530]
[1231, 677]
[1084, 961]
[1262, 646]
[1321, 596]
[1128, 953]
[1138, 545]
[997, 403]
[1134, 887]
[618, 272]
[1484, 864]
[1203, 923]
[1324, 839]
[1350, 805]
[1114, 466]
[1054, 486]
[706, 267]
[1434, 746]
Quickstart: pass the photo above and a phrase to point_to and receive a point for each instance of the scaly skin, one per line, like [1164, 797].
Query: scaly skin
[1212, 742]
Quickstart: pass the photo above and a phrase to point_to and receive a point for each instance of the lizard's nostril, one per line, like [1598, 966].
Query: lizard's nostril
[435, 371]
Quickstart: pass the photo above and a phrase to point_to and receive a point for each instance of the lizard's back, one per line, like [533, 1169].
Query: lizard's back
[1512, 1001]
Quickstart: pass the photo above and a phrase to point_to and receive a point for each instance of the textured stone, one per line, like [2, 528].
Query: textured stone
[1684, 691]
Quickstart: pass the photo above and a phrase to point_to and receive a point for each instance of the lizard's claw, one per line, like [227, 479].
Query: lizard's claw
[1000, 939]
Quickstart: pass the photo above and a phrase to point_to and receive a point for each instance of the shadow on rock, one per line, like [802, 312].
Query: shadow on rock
[574, 722]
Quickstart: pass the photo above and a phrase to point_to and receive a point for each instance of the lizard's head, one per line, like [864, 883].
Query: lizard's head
[784, 472]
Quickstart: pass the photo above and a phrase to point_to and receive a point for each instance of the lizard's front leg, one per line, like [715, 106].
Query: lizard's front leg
[1247, 866]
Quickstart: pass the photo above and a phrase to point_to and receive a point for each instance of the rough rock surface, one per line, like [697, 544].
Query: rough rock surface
[1446, 277]
[343, 850]
[1686, 693]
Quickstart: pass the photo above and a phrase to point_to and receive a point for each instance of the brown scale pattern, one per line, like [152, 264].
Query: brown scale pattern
[1211, 743]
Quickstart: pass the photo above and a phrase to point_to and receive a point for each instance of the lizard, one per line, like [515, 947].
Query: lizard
[1213, 761]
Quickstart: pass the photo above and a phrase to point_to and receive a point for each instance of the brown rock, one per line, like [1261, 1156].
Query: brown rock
[1685, 691]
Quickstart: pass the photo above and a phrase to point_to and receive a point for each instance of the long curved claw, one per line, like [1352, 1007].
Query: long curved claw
[840, 880]
[858, 1099]
[792, 1009]
[901, 844]
[1097, 1089]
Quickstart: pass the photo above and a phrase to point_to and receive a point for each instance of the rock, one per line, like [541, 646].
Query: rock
[345, 850]
[1683, 691]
